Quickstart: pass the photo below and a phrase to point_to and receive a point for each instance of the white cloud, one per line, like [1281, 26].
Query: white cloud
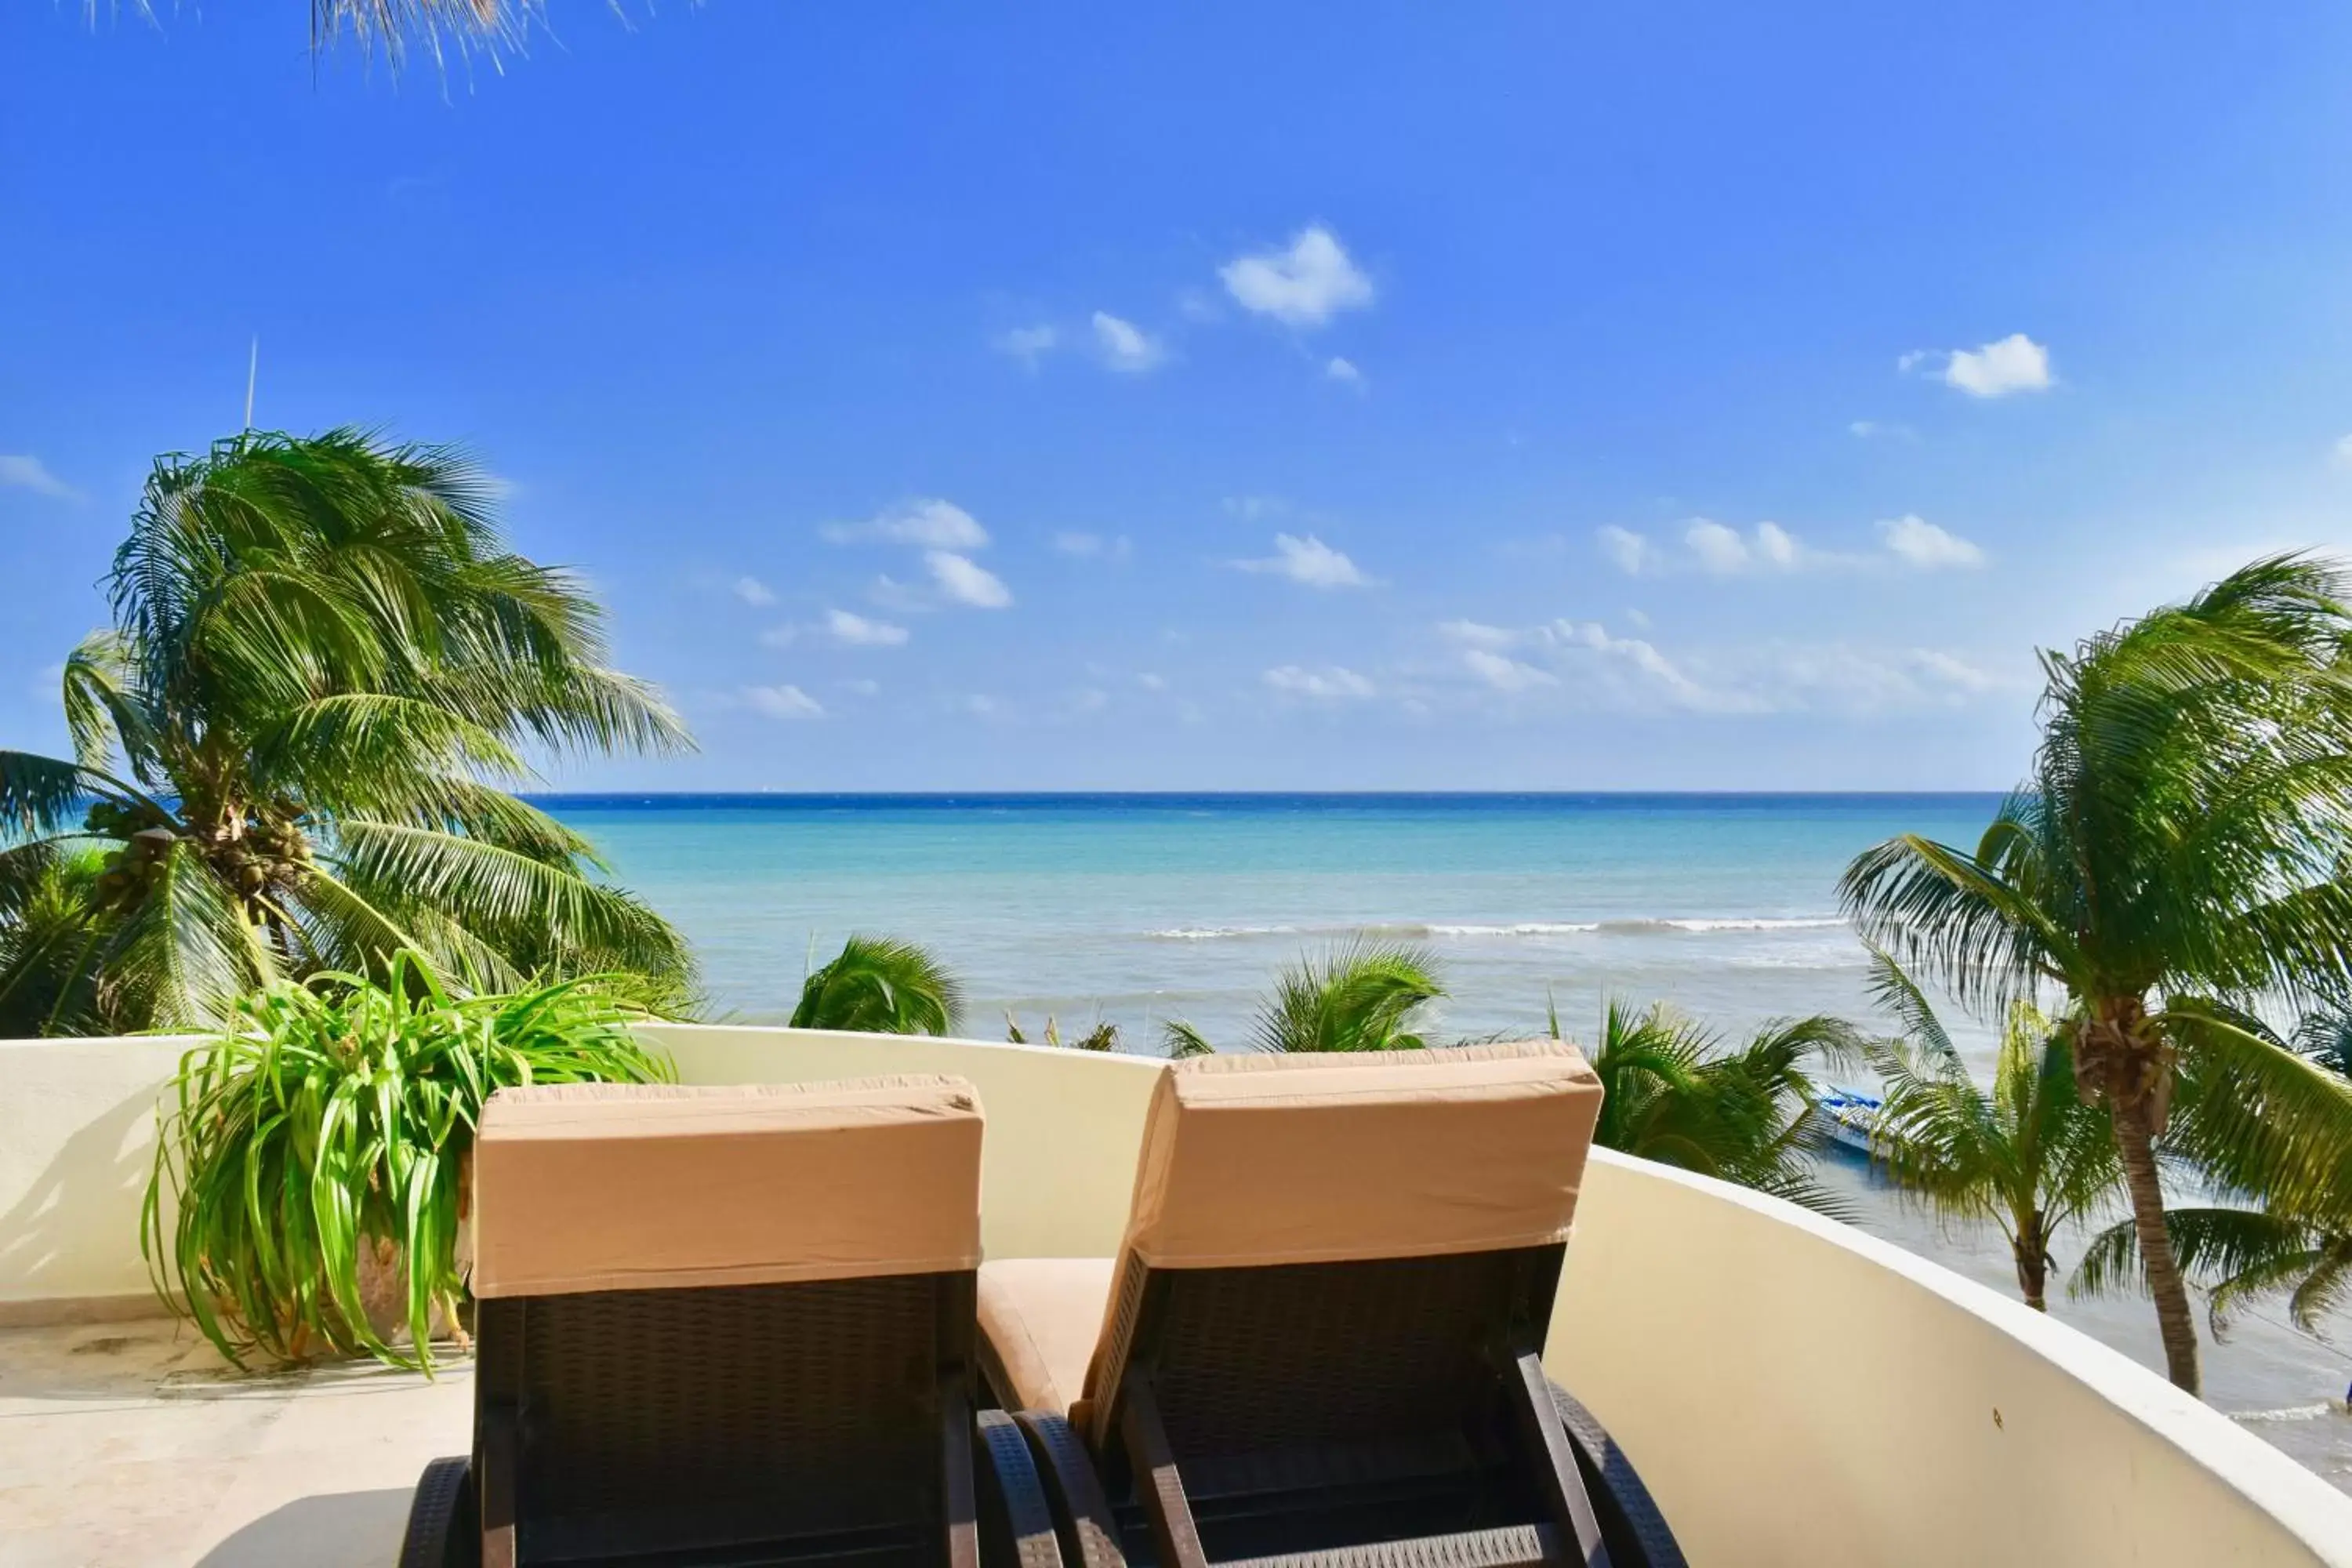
[1477, 634]
[1629, 550]
[931, 524]
[1907, 363]
[1918, 543]
[1588, 665]
[1723, 552]
[29, 473]
[1150, 682]
[1198, 305]
[980, 705]
[1332, 683]
[1774, 546]
[751, 591]
[1027, 345]
[1343, 371]
[1878, 429]
[1506, 674]
[783, 702]
[780, 637]
[1951, 671]
[858, 631]
[1643, 659]
[1304, 285]
[966, 582]
[1092, 546]
[1251, 509]
[1308, 560]
[1125, 346]
[2015, 364]
[2342, 452]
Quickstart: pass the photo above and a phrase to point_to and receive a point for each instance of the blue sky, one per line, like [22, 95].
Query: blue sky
[1661, 397]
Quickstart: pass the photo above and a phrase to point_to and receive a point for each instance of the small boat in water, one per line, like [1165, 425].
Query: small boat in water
[1852, 1117]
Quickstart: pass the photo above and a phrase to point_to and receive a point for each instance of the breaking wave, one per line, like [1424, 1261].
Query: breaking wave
[1696, 926]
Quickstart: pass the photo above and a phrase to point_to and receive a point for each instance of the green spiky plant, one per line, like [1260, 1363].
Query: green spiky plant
[881, 986]
[1674, 1092]
[288, 752]
[1102, 1036]
[324, 1136]
[2177, 850]
[1359, 997]
[2029, 1154]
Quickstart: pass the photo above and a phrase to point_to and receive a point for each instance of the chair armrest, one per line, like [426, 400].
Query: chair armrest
[1082, 1516]
[1017, 1520]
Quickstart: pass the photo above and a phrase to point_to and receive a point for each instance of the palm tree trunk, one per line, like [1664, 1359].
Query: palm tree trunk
[2174, 1319]
[2033, 1262]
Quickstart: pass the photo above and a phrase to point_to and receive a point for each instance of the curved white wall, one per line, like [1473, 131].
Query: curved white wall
[1796, 1391]
[1793, 1390]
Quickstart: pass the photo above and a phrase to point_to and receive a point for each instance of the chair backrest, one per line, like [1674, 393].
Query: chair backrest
[715, 1317]
[1325, 1247]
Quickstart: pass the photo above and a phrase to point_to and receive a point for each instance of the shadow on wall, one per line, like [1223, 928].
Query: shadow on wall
[362, 1529]
[76, 1223]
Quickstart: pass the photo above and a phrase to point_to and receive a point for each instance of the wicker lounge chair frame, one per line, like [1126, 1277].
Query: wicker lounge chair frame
[721, 1328]
[815, 1423]
[1381, 1414]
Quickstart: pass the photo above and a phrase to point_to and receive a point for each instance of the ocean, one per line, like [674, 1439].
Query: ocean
[1137, 909]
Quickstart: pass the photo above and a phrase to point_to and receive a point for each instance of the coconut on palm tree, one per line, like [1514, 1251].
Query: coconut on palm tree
[2176, 851]
[288, 750]
[2029, 1155]
[1672, 1091]
[1360, 996]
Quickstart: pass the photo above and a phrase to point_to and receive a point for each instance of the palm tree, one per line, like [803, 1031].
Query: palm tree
[2238, 1253]
[2029, 1154]
[1360, 996]
[1673, 1093]
[2175, 849]
[323, 662]
[880, 985]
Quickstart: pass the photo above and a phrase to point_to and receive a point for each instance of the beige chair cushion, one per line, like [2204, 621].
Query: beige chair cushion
[1040, 1316]
[1313, 1158]
[630, 1187]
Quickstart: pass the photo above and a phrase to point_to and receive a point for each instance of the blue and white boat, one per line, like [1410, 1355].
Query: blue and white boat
[1852, 1117]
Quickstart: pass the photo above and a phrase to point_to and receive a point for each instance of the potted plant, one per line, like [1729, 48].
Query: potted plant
[314, 1154]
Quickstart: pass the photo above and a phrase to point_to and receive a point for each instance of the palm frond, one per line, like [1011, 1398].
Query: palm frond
[185, 950]
[545, 919]
[1181, 1040]
[1945, 912]
[881, 986]
[2257, 1116]
[1360, 996]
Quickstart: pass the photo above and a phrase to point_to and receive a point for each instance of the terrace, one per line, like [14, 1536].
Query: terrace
[1792, 1389]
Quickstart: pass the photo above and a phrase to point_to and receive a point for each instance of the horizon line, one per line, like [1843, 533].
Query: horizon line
[1005, 794]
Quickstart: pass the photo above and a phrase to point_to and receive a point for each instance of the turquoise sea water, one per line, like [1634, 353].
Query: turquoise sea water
[1136, 908]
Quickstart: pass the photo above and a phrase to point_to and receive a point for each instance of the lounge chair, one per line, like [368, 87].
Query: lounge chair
[730, 1326]
[1320, 1343]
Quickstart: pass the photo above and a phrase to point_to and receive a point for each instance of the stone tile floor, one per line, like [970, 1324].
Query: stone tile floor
[133, 1443]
